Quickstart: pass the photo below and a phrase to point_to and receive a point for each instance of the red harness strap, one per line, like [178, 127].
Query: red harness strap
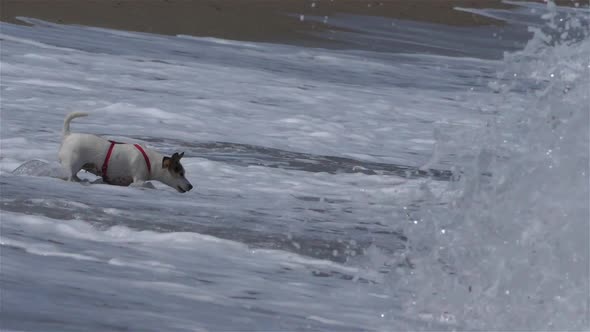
[145, 156]
[105, 164]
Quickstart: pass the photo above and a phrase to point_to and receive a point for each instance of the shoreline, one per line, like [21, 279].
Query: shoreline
[244, 20]
[252, 20]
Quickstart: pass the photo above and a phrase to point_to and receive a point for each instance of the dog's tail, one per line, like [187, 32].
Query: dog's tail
[69, 119]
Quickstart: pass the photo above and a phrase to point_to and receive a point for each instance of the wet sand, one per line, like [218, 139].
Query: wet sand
[250, 20]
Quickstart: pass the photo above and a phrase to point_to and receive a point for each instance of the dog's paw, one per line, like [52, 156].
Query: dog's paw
[143, 185]
[148, 185]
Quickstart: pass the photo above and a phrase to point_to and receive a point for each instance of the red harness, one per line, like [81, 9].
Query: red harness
[105, 164]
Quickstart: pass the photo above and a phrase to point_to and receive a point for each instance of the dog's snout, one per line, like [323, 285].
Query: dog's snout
[190, 186]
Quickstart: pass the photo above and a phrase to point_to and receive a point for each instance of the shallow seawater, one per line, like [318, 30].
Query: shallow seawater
[427, 178]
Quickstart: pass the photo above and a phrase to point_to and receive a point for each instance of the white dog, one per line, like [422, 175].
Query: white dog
[118, 163]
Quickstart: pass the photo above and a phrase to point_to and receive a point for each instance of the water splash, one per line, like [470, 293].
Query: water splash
[511, 251]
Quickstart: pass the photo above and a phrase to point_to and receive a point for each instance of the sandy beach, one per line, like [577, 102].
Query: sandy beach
[254, 20]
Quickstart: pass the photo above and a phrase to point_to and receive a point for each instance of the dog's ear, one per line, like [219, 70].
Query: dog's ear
[176, 157]
[166, 161]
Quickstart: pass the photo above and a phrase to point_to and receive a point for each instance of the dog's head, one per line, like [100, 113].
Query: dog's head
[174, 173]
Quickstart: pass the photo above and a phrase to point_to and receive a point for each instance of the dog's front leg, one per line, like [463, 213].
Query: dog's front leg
[142, 184]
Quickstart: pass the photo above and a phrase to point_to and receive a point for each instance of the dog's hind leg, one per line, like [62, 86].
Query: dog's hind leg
[74, 177]
[72, 168]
